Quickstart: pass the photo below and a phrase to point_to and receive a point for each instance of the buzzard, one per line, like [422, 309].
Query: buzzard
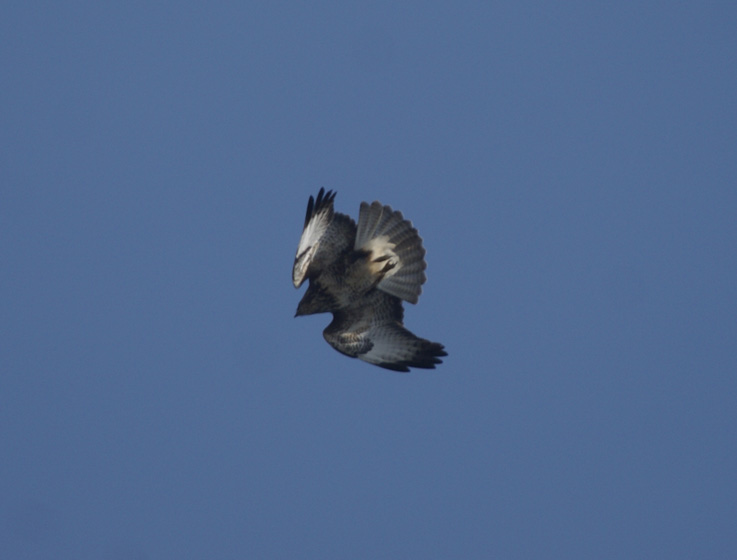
[360, 274]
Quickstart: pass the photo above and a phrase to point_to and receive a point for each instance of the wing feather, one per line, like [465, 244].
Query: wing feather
[374, 333]
[325, 235]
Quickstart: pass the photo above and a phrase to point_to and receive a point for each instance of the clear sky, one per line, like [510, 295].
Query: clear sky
[572, 169]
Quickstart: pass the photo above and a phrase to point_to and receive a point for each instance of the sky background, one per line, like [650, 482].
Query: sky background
[572, 169]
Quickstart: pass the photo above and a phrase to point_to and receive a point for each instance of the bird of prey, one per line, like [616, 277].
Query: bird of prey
[360, 274]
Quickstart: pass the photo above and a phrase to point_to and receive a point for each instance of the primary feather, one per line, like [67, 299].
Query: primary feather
[325, 233]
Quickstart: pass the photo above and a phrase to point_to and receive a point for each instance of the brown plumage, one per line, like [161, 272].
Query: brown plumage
[360, 273]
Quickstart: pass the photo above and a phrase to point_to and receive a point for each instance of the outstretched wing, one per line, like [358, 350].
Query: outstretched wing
[374, 333]
[325, 235]
[394, 248]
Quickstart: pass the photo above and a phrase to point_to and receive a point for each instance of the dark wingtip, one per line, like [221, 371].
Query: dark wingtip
[324, 198]
[401, 367]
[428, 359]
[314, 205]
[310, 207]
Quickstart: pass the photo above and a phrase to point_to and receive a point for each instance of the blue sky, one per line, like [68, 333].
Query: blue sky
[572, 170]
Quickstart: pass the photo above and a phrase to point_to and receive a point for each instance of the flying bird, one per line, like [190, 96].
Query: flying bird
[360, 274]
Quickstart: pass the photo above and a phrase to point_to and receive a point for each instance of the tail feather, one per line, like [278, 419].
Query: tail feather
[387, 236]
[400, 233]
[375, 220]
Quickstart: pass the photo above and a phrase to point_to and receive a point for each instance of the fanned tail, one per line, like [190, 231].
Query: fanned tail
[395, 250]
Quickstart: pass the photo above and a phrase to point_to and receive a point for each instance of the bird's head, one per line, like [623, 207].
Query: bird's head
[315, 300]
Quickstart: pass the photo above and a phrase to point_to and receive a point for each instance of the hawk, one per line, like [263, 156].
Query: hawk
[360, 274]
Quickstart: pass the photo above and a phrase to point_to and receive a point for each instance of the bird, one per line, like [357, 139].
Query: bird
[361, 273]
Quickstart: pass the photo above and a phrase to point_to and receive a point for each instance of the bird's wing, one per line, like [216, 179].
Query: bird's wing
[374, 333]
[395, 251]
[325, 235]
